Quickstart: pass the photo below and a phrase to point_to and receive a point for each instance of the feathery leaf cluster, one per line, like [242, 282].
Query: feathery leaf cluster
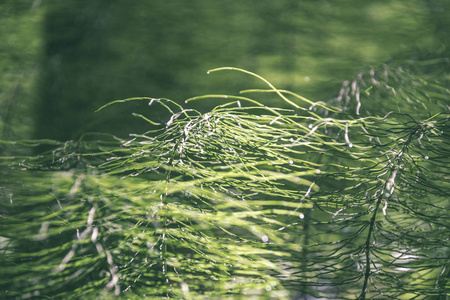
[245, 199]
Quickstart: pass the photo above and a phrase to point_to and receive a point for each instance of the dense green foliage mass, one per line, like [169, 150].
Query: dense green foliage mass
[263, 194]
[244, 200]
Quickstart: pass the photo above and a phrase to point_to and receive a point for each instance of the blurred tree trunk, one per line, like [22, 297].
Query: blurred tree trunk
[100, 51]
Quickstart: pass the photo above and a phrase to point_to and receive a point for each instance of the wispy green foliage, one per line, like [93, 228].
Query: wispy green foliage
[413, 83]
[243, 200]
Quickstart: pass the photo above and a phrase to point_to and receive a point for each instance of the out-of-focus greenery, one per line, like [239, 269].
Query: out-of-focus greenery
[21, 41]
[92, 52]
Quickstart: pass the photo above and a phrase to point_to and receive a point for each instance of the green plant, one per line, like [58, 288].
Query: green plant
[245, 199]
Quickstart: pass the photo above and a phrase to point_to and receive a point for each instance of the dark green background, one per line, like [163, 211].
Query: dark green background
[61, 60]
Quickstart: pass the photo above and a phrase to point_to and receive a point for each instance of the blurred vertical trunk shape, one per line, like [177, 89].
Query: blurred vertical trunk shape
[439, 17]
[289, 43]
[75, 46]
[100, 51]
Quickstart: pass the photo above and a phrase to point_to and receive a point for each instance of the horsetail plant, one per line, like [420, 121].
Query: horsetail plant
[246, 200]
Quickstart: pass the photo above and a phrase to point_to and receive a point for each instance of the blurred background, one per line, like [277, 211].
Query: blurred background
[62, 60]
